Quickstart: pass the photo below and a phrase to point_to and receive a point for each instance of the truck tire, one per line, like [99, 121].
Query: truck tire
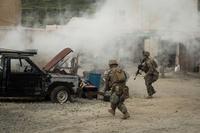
[60, 94]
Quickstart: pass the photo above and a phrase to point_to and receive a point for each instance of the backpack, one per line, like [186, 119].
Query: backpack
[119, 75]
[154, 63]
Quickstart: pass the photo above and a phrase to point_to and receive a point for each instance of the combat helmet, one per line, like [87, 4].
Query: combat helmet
[113, 62]
[146, 53]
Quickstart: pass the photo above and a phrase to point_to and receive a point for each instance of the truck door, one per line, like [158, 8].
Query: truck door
[24, 78]
[2, 76]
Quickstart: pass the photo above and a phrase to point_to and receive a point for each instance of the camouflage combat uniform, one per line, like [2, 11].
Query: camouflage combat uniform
[118, 93]
[149, 67]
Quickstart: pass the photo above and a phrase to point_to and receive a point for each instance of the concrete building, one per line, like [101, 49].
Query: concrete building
[10, 12]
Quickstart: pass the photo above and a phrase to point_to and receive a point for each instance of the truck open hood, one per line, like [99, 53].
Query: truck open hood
[61, 55]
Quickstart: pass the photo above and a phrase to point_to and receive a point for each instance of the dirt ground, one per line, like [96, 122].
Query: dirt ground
[174, 109]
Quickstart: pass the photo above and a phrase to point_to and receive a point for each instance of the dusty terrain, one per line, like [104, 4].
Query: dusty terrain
[175, 109]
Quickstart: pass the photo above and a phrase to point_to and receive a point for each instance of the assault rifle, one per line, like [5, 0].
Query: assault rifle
[139, 69]
[137, 73]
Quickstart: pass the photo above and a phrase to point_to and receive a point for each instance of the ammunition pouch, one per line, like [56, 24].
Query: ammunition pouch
[126, 92]
[122, 98]
[118, 89]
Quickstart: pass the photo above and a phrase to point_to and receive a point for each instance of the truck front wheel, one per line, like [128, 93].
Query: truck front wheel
[60, 94]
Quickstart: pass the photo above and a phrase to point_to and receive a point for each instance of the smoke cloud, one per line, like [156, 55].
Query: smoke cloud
[114, 31]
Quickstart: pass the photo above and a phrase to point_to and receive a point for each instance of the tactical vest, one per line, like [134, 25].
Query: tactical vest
[117, 75]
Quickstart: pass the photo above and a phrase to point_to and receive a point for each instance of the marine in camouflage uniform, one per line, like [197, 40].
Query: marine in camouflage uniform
[149, 67]
[118, 91]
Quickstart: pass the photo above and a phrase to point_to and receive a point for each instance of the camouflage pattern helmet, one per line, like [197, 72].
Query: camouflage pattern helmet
[113, 62]
[146, 53]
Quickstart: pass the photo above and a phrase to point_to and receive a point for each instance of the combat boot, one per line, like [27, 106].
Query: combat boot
[111, 111]
[149, 97]
[126, 115]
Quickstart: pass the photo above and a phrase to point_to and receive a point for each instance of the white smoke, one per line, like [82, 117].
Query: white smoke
[113, 31]
[175, 20]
